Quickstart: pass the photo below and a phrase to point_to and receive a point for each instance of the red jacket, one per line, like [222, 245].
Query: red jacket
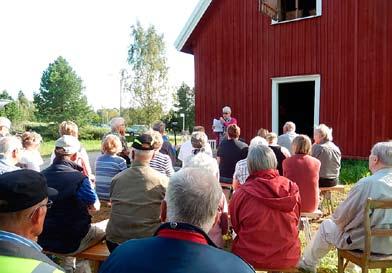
[264, 213]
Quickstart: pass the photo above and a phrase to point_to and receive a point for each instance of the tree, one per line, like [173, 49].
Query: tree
[146, 56]
[186, 105]
[61, 95]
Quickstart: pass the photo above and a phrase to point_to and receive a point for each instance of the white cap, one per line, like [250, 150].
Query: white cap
[70, 144]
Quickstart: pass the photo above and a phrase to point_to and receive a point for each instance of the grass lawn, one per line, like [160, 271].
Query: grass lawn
[90, 145]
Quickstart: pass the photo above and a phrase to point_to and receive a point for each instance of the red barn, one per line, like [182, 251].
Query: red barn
[321, 61]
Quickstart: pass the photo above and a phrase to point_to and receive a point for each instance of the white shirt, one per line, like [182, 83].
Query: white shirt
[32, 160]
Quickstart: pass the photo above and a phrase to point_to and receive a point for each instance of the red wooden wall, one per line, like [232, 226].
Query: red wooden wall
[237, 51]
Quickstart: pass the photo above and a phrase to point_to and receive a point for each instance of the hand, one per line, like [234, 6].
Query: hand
[222, 119]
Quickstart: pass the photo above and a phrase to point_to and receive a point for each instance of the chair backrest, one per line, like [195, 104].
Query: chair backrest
[369, 232]
[212, 143]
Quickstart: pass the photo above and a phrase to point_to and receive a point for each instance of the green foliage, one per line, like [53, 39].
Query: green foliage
[147, 58]
[18, 111]
[60, 97]
[106, 114]
[91, 132]
[186, 105]
[353, 170]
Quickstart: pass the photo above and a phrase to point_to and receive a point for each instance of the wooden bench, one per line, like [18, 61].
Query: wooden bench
[326, 193]
[96, 254]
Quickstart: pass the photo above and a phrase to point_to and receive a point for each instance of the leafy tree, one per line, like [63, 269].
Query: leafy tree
[61, 95]
[106, 114]
[186, 105]
[147, 58]
[25, 107]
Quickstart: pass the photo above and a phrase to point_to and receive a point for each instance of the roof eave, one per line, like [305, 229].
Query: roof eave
[191, 24]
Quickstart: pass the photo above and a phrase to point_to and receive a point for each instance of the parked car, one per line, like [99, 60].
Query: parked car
[135, 130]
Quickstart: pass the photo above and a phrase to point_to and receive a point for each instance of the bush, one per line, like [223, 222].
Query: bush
[92, 132]
[353, 170]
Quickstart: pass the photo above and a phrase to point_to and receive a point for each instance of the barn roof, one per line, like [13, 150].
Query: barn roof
[191, 24]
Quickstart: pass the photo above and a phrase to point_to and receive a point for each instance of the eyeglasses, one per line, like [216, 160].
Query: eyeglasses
[47, 205]
[226, 113]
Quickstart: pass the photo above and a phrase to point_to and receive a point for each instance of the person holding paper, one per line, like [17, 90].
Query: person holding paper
[225, 120]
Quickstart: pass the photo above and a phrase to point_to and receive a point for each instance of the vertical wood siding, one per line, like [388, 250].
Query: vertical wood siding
[237, 51]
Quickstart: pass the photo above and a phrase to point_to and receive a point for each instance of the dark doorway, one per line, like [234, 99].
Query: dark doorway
[296, 104]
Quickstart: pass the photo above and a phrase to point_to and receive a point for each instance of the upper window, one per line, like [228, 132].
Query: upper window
[287, 10]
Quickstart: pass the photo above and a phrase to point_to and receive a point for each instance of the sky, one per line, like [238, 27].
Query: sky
[92, 35]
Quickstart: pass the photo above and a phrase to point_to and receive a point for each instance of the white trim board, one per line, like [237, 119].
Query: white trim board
[319, 9]
[275, 97]
[191, 24]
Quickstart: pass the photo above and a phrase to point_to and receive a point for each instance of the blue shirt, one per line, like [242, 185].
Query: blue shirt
[86, 193]
[12, 237]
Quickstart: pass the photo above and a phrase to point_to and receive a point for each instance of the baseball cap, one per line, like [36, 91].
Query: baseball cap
[143, 142]
[22, 189]
[70, 144]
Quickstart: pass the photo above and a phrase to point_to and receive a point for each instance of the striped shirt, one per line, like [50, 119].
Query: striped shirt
[12, 237]
[162, 163]
[106, 167]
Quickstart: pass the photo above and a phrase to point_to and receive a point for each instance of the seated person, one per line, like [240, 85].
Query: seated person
[265, 212]
[31, 158]
[160, 162]
[329, 155]
[68, 229]
[136, 195]
[166, 148]
[108, 165]
[181, 244]
[186, 147]
[230, 151]
[303, 169]
[23, 205]
[10, 153]
[346, 228]
[280, 152]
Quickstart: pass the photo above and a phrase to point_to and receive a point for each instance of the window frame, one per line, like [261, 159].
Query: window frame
[318, 14]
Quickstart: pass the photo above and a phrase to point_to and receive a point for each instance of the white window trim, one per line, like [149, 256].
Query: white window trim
[318, 14]
[275, 97]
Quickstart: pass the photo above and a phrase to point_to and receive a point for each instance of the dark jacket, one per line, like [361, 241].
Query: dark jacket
[264, 213]
[176, 247]
[68, 221]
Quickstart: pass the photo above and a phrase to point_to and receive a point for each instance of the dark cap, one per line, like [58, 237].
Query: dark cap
[23, 189]
[143, 142]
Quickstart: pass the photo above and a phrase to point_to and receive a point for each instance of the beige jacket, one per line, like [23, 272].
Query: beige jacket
[349, 215]
[136, 194]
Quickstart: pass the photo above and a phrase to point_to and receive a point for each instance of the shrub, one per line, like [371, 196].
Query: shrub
[92, 132]
[353, 170]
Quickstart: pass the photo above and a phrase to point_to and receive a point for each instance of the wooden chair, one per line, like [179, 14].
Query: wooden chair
[212, 144]
[326, 193]
[366, 260]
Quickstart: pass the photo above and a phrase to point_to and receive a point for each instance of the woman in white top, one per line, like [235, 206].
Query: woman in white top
[31, 158]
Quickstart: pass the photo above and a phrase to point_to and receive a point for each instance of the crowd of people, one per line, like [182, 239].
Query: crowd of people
[162, 220]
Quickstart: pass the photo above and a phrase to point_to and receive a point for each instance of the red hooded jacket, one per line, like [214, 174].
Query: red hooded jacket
[264, 213]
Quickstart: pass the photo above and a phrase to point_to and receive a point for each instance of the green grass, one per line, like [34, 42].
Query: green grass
[47, 147]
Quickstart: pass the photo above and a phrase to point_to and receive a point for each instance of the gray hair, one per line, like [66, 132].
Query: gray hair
[192, 197]
[9, 144]
[115, 122]
[199, 140]
[159, 126]
[226, 109]
[258, 140]
[289, 126]
[261, 157]
[383, 150]
[324, 131]
[203, 161]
